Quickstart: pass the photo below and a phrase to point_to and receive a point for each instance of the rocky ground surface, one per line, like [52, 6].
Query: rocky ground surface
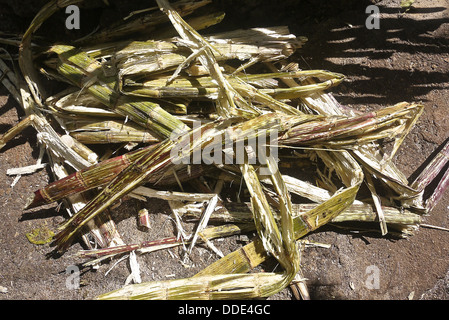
[406, 59]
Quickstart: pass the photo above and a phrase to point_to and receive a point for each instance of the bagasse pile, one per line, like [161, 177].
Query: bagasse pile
[148, 102]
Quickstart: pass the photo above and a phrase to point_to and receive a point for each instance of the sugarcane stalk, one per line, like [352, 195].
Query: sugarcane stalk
[254, 253]
[352, 130]
[75, 65]
[112, 136]
[151, 163]
[197, 22]
[144, 219]
[113, 49]
[368, 154]
[74, 103]
[433, 168]
[9, 80]
[75, 202]
[219, 287]
[428, 177]
[51, 139]
[290, 136]
[148, 57]
[80, 148]
[147, 23]
[15, 130]
[83, 180]
[285, 255]
[154, 245]
[236, 263]
[194, 87]
[229, 101]
[124, 183]
[251, 255]
[360, 212]
[341, 138]
[111, 131]
[99, 124]
[100, 175]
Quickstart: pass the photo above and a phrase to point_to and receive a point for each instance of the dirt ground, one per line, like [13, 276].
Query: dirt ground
[406, 59]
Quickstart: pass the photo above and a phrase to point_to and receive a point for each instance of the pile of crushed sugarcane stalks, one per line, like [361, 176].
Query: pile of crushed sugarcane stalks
[230, 109]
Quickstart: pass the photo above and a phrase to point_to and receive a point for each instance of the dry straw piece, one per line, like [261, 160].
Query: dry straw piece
[176, 96]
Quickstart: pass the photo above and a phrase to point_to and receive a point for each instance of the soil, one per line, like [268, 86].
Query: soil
[406, 59]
